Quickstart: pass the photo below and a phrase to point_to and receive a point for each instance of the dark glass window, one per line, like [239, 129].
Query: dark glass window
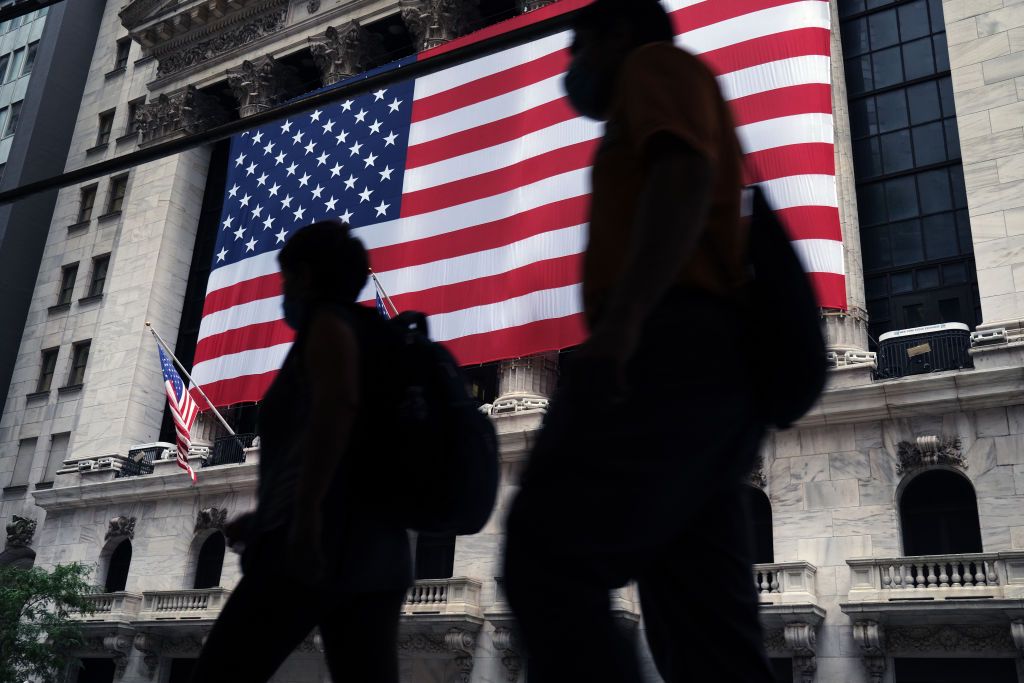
[118, 187]
[12, 120]
[100, 264]
[132, 126]
[117, 570]
[124, 47]
[79, 359]
[210, 562]
[760, 509]
[30, 58]
[106, 124]
[95, 670]
[46, 370]
[68, 274]
[435, 556]
[939, 515]
[88, 201]
[911, 195]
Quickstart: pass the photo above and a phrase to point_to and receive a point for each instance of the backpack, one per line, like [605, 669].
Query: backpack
[447, 451]
[786, 324]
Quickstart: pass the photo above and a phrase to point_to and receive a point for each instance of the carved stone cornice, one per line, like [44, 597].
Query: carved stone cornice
[20, 532]
[928, 451]
[262, 83]
[506, 645]
[973, 639]
[344, 51]
[1017, 633]
[455, 641]
[150, 647]
[870, 638]
[801, 639]
[187, 110]
[436, 22]
[120, 527]
[211, 518]
[119, 647]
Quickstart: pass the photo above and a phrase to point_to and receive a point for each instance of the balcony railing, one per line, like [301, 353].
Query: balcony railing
[443, 596]
[786, 582]
[229, 450]
[938, 577]
[119, 606]
[204, 603]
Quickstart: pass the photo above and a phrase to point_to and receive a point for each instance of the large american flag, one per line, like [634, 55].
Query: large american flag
[470, 185]
[183, 411]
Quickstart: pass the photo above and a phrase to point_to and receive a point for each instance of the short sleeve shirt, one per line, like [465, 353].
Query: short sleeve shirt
[662, 92]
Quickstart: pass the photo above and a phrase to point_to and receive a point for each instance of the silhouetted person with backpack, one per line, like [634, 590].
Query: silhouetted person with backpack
[320, 548]
[638, 472]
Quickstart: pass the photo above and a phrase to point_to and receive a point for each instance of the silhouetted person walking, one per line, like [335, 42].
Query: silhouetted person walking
[638, 471]
[318, 549]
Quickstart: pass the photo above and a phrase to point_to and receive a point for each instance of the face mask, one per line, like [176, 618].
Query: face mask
[294, 312]
[586, 91]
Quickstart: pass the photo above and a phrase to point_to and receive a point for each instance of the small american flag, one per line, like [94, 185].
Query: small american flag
[183, 409]
[470, 187]
[380, 308]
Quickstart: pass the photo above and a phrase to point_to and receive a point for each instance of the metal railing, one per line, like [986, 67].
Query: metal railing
[229, 450]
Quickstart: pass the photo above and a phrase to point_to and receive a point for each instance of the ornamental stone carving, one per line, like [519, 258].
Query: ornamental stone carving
[1017, 633]
[312, 6]
[801, 639]
[344, 51]
[187, 110]
[149, 646]
[455, 641]
[526, 383]
[950, 638]
[120, 527]
[436, 22]
[928, 451]
[183, 646]
[870, 638]
[211, 518]
[261, 84]
[119, 647]
[505, 643]
[757, 477]
[20, 532]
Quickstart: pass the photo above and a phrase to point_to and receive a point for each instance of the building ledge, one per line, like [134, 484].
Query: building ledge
[15, 490]
[91, 298]
[97, 148]
[36, 395]
[777, 616]
[69, 389]
[109, 216]
[79, 226]
[59, 308]
[43, 485]
[115, 72]
[133, 137]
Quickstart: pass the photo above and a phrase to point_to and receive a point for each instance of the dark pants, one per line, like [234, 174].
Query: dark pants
[644, 489]
[270, 613]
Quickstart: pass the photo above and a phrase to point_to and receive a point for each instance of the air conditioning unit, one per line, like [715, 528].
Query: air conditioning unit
[920, 350]
[149, 452]
[86, 465]
[108, 463]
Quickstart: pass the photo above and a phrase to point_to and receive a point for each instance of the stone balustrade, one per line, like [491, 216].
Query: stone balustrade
[202, 603]
[443, 596]
[785, 583]
[938, 577]
[119, 606]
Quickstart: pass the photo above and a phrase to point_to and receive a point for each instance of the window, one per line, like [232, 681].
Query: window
[435, 556]
[17, 62]
[30, 58]
[124, 47]
[12, 120]
[68, 275]
[4, 62]
[23, 464]
[210, 563]
[117, 569]
[4, 115]
[96, 670]
[760, 510]
[86, 203]
[948, 670]
[99, 274]
[46, 370]
[131, 126]
[106, 124]
[79, 359]
[118, 187]
[58, 451]
[939, 515]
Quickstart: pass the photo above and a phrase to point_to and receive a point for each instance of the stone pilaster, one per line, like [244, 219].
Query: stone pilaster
[261, 84]
[187, 111]
[526, 383]
[435, 22]
[847, 331]
[344, 51]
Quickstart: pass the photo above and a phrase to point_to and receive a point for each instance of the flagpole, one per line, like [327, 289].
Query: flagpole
[163, 345]
[387, 298]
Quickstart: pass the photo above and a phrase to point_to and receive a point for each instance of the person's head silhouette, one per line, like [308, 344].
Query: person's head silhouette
[321, 263]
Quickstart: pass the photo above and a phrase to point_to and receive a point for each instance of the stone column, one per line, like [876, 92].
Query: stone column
[435, 22]
[846, 331]
[344, 51]
[526, 383]
[261, 84]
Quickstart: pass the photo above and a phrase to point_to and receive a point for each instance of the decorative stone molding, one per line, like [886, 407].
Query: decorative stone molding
[344, 51]
[801, 639]
[951, 638]
[757, 477]
[189, 645]
[505, 643]
[211, 518]
[928, 451]
[187, 110]
[526, 384]
[455, 641]
[312, 6]
[261, 84]
[870, 638]
[120, 527]
[1017, 633]
[774, 641]
[436, 22]
[118, 646]
[20, 532]
[150, 647]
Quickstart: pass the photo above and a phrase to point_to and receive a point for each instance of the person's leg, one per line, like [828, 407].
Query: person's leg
[699, 602]
[361, 638]
[260, 625]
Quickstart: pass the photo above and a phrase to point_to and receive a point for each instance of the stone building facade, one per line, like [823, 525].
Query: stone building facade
[880, 469]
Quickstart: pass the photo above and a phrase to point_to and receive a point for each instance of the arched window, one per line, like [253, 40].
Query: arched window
[939, 515]
[760, 525]
[117, 569]
[435, 556]
[210, 562]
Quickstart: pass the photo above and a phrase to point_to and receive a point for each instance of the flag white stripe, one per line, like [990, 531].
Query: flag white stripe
[801, 190]
[820, 256]
[765, 22]
[541, 305]
[246, 269]
[252, 313]
[232, 365]
[782, 73]
[786, 130]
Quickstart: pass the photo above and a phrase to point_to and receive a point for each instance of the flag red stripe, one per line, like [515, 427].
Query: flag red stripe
[525, 340]
[539, 275]
[703, 14]
[789, 160]
[771, 48]
[491, 134]
[814, 98]
[831, 289]
[812, 223]
[244, 292]
[244, 389]
[562, 214]
[547, 165]
[256, 336]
